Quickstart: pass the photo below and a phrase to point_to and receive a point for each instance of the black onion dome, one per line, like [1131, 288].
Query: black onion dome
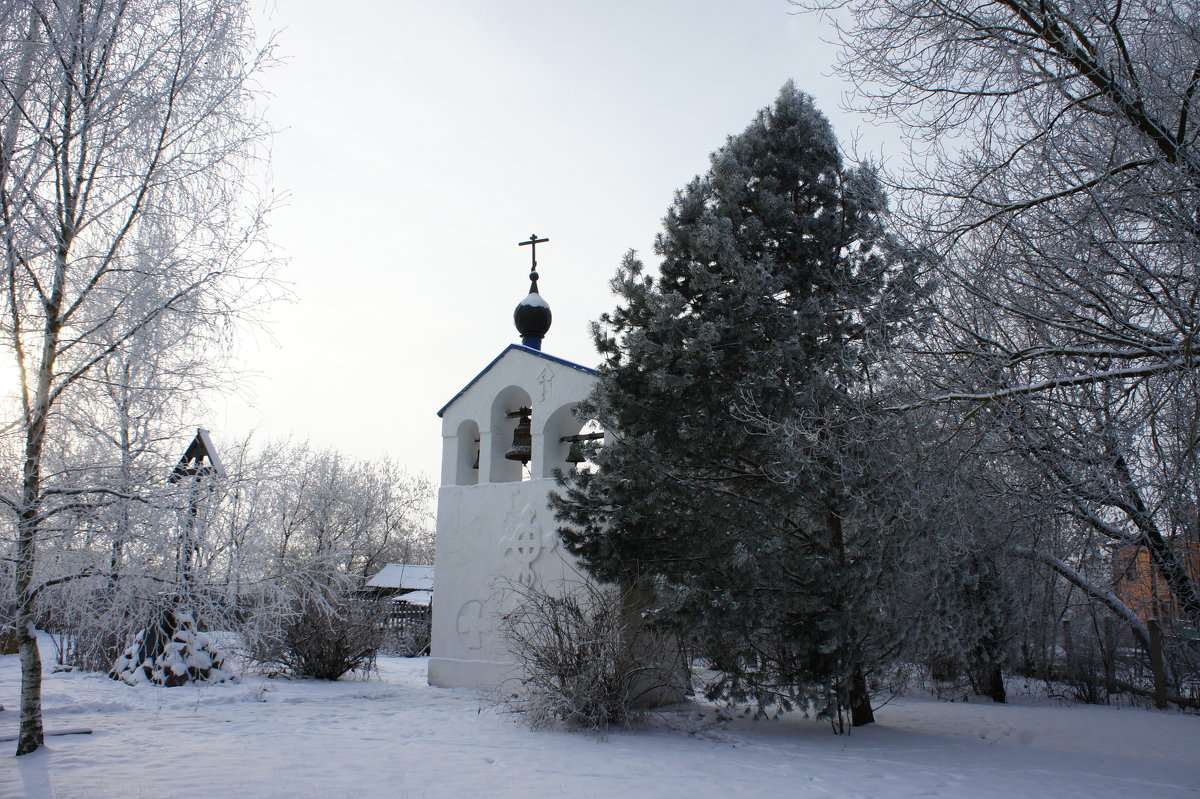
[532, 315]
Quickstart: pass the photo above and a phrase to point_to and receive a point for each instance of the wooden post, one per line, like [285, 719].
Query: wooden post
[1110, 657]
[1068, 650]
[1156, 664]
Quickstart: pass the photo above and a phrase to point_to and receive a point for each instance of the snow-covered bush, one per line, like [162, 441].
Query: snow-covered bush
[586, 657]
[170, 652]
[90, 641]
[92, 620]
[8, 633]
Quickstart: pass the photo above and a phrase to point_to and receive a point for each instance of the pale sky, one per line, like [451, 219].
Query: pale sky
[418, 143]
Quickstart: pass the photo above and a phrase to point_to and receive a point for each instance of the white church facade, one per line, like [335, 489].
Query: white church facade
[503, 435]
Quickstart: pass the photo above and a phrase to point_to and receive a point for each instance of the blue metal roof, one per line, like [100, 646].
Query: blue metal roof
[520, 348]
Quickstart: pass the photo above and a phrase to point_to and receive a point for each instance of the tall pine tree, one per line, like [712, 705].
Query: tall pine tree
[740, 480]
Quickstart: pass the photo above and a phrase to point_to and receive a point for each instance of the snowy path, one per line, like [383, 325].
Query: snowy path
[398, 737]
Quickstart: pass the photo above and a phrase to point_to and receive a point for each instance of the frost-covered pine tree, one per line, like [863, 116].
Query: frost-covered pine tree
[741, 463]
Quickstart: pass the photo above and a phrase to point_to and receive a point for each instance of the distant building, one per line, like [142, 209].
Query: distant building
[408, 591]
[404, 581]
[1140, 585]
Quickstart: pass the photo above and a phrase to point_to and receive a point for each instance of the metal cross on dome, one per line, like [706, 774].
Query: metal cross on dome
[533, 242]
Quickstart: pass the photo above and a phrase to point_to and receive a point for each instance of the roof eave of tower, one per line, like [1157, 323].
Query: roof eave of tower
[496, 360]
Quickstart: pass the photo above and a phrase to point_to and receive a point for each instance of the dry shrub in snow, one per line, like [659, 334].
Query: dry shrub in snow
[326, 637]
[587, 658]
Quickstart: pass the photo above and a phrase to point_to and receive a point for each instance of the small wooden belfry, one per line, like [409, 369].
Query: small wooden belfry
[171, 650]
[199, 462]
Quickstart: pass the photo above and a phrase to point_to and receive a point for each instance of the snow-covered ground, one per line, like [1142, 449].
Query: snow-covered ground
[397, 737]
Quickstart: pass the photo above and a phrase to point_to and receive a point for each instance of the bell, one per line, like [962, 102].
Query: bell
[575, 455]
[475, 465]
[522, 446]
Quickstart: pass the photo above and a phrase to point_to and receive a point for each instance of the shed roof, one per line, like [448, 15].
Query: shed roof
[404, 576]
[416, 597]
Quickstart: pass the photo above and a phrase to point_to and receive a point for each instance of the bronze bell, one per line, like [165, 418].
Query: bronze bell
[522, 446]
[575, 455]
[475, 465]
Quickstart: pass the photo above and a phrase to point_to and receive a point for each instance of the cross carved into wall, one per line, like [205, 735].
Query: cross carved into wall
[471, 626]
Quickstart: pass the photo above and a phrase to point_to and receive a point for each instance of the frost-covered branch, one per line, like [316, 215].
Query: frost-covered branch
[1094, 590]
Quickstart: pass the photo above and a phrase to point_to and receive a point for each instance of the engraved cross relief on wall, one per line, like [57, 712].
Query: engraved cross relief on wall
[524, 544]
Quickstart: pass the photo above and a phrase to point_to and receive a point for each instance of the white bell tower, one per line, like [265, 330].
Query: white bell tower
[502, 438]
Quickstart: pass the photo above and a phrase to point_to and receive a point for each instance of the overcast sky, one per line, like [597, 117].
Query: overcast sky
[418, 143]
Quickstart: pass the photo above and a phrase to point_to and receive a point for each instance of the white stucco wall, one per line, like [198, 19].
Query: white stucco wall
[494, 528]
